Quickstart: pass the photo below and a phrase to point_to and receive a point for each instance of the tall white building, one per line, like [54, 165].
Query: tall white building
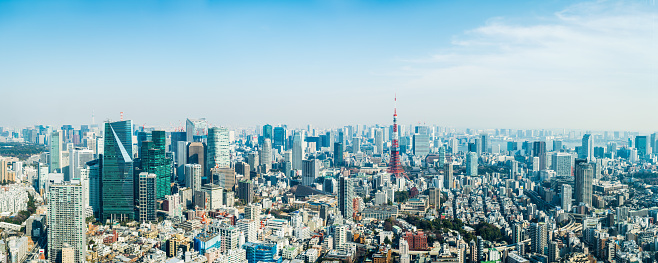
[566, 197]
[340, 237]
[379, 141]
[252, 211]
[250, 229]
[562, 164]
[218, 148]
[66, 221]
[266, 154]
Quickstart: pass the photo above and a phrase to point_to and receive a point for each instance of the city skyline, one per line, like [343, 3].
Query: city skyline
[585, 65]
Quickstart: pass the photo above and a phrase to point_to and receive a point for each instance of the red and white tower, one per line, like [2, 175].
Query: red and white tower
[394, 166]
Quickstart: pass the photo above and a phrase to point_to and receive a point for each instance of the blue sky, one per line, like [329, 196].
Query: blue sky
[530, 64]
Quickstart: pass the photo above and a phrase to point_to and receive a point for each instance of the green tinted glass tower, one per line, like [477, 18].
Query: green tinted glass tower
[155, 161]
[117, 178]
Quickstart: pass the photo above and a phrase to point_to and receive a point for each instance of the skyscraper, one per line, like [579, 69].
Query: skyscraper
[279, 138]
[379, 141]
[55, 152]
[196, 154]
[587, 148]
[66, 221]
[297, 151]
[154, 160]
[253, 161]
[539, 150]
[310, 171]
[486, 143]
[266, 155]
[562, 164]
[196, 129]
[471, 164]
[642, 145]
[654, 142]
[447, 176]
[246, 191]
[421, 141]
[95, 195]
[345, 196]
[147, 195]
[193, 176]
[356, 144]
[435, 197]
[218, 149]
[117, 180]
[339, 160]
[566, 193]
[583, 183]
[267, 131]
[181, 161]
[78, 158]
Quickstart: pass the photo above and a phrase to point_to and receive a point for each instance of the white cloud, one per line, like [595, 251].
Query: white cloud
[592, 65]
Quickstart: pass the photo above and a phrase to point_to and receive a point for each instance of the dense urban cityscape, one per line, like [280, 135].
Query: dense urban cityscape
[119, 192]
[328, 131]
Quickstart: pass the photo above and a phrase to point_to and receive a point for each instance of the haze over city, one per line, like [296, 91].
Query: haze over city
[589, 65]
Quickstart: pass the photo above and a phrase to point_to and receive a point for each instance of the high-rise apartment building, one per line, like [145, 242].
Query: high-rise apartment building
[345, 196]
[118, 199]
[566, 193]
[147, 205]
[340, 237]
[66, 221]
[538, 237]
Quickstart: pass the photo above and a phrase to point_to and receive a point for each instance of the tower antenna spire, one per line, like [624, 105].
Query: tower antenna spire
[395, 166]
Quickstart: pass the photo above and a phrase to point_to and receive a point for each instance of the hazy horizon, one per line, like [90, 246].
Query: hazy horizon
[586, 65]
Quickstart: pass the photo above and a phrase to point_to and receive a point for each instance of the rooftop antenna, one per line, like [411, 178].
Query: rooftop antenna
[122, 116]
[92, 118]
